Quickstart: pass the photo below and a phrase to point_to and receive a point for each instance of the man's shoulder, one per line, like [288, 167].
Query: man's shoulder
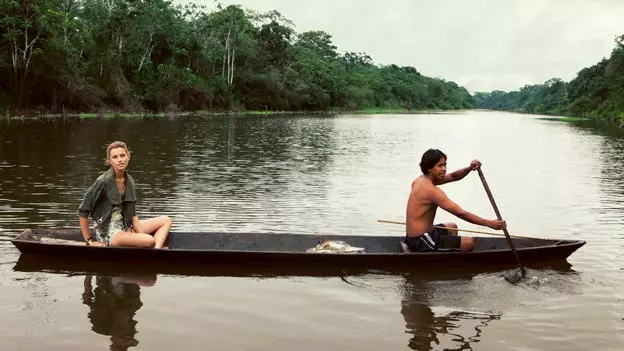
[423, 188]
[417, 180]
[422, 182]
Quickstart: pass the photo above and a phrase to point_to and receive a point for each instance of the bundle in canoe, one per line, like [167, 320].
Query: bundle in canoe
[217, 248]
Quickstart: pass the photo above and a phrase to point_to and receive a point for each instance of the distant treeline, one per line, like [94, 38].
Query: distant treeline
[151, 55]
[597, 91]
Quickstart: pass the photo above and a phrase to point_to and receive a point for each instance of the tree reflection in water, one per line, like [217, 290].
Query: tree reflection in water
[462, 328]
[113, 304]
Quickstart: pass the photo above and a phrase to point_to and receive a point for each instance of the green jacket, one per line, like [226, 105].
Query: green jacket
[102, 195]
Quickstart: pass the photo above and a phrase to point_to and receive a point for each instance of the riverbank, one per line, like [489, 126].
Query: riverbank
[566, 118]
[334, 111]
[107, 115]
[619, 121]
[607, 127]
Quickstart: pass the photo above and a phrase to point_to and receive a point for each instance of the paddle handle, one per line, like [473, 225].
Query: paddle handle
[498, 215]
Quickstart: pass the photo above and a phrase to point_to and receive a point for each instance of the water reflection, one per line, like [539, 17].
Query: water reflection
[113, 304]
[230, 132]
[430, 330]
[337, 175]
[210, 171]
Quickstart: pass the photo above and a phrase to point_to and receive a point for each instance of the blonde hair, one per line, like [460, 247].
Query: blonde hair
[114, 145]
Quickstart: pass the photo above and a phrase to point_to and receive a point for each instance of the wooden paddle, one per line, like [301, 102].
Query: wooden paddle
[498, 215]
[463, 230]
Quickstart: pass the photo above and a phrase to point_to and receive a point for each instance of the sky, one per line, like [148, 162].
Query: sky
[483, 45]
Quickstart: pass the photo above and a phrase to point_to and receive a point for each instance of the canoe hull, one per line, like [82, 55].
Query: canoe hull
[253, 250]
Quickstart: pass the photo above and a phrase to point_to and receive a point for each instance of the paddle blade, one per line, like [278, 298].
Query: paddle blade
[514, 276]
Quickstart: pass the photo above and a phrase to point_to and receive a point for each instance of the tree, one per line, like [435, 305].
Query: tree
[138, 55]
[23, 24]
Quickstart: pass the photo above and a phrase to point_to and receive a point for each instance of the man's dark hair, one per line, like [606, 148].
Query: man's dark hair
[429, 159]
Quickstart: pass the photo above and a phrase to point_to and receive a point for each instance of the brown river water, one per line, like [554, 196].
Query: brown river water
[317, 174]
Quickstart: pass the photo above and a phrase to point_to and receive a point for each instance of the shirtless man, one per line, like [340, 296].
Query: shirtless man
[424, 199]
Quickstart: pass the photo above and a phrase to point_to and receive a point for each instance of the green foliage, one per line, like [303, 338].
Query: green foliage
[596, 91]
[62, 56]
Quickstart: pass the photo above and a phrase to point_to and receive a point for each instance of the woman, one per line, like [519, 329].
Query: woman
[110, 202]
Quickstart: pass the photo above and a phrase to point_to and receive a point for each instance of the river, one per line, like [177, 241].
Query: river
[318, 174]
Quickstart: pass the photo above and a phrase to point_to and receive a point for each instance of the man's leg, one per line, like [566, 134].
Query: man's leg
[451, 241]
[467, 243]
[450, 226]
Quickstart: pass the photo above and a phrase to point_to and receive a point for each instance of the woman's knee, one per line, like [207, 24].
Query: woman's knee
[168, 220]
[147, 241]
[164, 221]
[151, 243]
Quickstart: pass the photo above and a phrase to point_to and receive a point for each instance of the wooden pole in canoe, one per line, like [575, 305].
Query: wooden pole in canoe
[462, 230]
[498, 215]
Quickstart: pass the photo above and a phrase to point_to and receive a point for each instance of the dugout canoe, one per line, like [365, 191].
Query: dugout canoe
[266, 249]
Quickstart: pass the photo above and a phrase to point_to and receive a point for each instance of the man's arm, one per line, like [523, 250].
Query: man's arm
[440, 198]
[460, 173]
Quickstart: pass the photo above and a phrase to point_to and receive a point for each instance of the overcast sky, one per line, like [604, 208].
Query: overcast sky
[480, 44]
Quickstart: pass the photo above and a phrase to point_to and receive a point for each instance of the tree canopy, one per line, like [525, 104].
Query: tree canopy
[596, 91]
[152, 55]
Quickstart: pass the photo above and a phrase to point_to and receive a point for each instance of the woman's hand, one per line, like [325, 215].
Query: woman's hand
[136, 225]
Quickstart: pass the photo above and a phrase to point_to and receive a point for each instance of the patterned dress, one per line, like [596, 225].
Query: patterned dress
[115, 226]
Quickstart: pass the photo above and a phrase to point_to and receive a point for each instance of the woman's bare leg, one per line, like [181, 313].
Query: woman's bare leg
[159, 227]
[133, 240]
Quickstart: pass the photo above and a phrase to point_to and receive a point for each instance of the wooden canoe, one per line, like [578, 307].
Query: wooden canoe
[266, 249]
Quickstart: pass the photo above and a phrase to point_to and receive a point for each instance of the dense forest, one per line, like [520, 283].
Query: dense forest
[596, 91]
[62, 56]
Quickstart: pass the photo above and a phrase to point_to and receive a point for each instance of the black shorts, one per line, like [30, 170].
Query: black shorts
[437, 240]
